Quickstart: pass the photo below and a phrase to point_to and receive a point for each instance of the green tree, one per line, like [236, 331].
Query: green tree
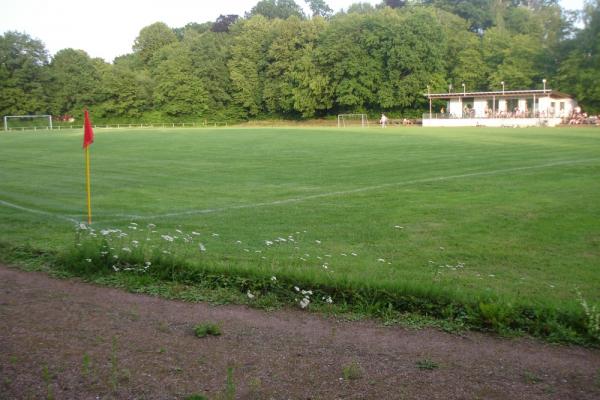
[319, 8]
[75, 81]
[272, 9]
[23, 75]
[247, 62]
[361, 8]
[209, 55]
[179, 92]
[151, 39]
[292, 40]
[579, 73]
[514, 59]
[128, 93]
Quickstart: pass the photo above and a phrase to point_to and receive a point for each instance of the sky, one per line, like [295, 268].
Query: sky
[108, 28]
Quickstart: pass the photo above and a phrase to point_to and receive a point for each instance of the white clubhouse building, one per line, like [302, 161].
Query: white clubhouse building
[500, 108]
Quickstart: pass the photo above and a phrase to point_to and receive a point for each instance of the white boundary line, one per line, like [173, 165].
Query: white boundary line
[39, 212]
[357, 190]
[304, 198]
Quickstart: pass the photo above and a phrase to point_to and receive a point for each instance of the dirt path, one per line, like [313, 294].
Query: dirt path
[69, 340]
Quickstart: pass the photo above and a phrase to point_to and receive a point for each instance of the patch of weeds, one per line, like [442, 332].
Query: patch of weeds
[427, 364]
[255, 385]
[592, 314]
[531, 378]
[230, 389]
[13, 359]
[205, 329]
[196, 397]
[229, 385]
[47, 378]
[352, 371]
[86, 364]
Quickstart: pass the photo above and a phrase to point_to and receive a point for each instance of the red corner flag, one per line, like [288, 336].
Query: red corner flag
[88, 133]
[88, 138]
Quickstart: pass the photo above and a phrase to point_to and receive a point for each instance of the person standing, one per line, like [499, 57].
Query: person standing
[383, 121]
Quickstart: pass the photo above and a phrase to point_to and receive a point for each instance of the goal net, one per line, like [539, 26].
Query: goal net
[352, 120]
[27, 122]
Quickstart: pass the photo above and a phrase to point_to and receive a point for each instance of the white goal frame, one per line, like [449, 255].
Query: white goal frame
[342, 118]
[46, 116]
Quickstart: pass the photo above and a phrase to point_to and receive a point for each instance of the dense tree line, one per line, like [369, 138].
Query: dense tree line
[275, 61]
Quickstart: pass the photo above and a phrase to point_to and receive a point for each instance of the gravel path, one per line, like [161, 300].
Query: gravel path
[64, 339]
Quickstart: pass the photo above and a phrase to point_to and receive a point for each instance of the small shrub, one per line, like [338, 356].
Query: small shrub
[196, 397]
[352, 371]
[203, 330]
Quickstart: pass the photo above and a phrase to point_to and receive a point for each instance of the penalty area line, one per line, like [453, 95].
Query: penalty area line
[354, 191]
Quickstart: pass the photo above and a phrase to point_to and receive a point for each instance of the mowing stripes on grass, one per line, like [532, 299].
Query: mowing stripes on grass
[357, 190]
[128, 217]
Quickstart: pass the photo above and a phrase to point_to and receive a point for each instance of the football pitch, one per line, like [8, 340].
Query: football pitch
[509, 213]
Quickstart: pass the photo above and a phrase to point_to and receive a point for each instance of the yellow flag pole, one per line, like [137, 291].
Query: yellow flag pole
[87, 184]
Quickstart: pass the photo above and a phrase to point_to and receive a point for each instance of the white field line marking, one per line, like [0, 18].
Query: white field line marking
[40, 212]
[357, 190]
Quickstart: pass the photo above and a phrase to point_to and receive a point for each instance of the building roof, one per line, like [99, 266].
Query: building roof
[500, 93]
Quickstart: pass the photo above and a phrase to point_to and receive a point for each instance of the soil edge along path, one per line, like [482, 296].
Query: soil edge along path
[64, 339]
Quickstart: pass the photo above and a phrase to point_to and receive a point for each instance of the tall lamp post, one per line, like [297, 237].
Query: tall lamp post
[544, 82]
[502, 83]
[464, 89]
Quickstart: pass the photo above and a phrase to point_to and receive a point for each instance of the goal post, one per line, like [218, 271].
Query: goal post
[24, 122]
[353, 120]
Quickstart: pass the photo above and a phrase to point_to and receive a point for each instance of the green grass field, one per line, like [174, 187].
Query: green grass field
[511, 214]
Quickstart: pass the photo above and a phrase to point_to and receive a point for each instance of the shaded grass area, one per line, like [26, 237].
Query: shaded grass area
[496, 229]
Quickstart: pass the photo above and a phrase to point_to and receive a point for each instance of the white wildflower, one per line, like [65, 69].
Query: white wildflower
[82, 226]
[268, 242]
[115, 268]
[273, 279]
[178, 231]
[195, 233]
[304, 302]
[215, 235]
[148, 263]
[135, 242]
[353, 254]
[167, 238]
[250, 295]
[88, 260]
[126, 249]
[201, 247]
[317, 241]
[151, 226]
[296, 288]
[381, 260]
[329, 300]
